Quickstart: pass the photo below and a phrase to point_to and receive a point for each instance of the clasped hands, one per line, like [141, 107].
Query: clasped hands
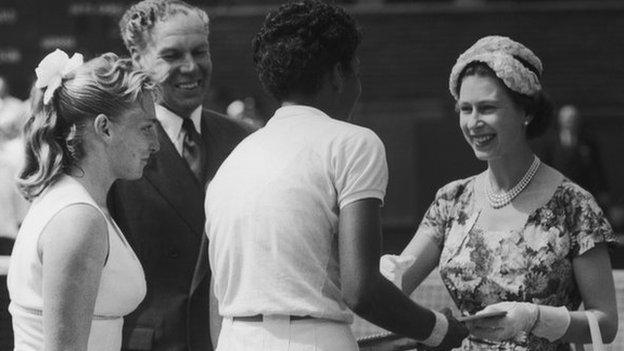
[520, 317]
[547, 322]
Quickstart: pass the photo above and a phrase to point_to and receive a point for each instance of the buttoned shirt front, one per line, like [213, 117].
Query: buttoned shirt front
[172, 124]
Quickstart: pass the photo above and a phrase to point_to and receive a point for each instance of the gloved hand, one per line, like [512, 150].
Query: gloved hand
[521, 317]
[453, 336]
[392, 267]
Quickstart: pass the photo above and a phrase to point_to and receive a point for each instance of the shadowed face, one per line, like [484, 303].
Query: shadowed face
[569, 118]
[134, 139]
[177, 55]
[352, 89]
[492, 124]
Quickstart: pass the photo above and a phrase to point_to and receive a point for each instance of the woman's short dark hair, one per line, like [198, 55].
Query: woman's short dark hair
[539, 106]
[300, 42]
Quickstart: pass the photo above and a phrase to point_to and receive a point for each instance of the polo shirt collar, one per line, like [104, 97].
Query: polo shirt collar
[297, 110]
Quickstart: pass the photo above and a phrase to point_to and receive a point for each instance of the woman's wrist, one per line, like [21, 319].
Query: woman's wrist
[552, 322]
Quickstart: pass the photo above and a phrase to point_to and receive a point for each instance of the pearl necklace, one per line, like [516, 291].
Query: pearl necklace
[504, 198]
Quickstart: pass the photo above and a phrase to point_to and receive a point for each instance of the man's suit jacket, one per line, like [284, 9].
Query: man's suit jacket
[162, 215]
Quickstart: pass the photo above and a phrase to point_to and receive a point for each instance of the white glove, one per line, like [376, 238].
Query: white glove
[553, 322]
[521, 317]
[393, 267]
[544, 321]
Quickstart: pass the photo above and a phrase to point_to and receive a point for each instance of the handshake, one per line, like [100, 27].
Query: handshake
[447, 334]
[450, 331]
[497, 322]
[459, 327]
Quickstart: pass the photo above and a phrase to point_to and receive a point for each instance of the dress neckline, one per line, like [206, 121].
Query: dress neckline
[531, 214]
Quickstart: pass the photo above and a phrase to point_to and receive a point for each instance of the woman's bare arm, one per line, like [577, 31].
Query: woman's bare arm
[594, 277]
[73, 249]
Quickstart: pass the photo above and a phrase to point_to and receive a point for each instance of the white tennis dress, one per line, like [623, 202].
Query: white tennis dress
[122, 283]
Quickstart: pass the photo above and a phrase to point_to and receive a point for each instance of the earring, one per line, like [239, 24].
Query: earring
[526, 123]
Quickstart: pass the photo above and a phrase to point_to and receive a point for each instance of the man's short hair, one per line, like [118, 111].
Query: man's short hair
[138, 20]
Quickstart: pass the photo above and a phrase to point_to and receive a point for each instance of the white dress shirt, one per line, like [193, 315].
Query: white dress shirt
[172, 124]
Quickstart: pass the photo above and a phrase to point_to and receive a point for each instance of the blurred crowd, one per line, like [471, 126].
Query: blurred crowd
[573, 149]
[12, 118]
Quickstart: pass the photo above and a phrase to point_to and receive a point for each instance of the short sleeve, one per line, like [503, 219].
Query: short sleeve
[360, 168]
[587, 224]
[438, 218]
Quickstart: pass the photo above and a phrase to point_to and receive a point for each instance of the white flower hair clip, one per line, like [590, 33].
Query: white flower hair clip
[53, 69]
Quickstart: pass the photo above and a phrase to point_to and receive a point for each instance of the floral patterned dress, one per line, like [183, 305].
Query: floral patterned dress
[533, 264]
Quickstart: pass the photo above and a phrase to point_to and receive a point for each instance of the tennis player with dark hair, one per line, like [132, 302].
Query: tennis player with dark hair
[293, 214]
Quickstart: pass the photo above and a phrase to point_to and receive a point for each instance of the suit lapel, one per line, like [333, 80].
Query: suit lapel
[212, 154]
[202, 267]
[174, 180]
[215, 140]
[218, 142]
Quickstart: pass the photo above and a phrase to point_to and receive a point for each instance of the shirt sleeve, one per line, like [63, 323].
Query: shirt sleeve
[360, 168]
[587, 224]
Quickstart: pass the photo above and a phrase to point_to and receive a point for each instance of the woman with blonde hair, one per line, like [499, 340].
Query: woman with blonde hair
[72, 275]
[518, 237]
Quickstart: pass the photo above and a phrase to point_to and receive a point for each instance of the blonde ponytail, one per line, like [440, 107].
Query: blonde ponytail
[54, 131]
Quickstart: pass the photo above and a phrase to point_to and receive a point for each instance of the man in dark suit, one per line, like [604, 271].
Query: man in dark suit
[162, 213]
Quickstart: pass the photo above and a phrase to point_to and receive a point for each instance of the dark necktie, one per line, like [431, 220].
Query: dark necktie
[192, 149]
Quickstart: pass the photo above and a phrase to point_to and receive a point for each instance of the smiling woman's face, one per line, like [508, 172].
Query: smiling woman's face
[492, 124]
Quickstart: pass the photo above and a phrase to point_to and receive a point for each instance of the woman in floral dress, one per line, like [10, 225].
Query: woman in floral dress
[518, 237]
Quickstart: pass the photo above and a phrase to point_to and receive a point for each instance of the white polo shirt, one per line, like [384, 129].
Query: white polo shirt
[272, 213]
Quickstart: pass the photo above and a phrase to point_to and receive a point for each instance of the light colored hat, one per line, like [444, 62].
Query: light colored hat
[512, 62]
